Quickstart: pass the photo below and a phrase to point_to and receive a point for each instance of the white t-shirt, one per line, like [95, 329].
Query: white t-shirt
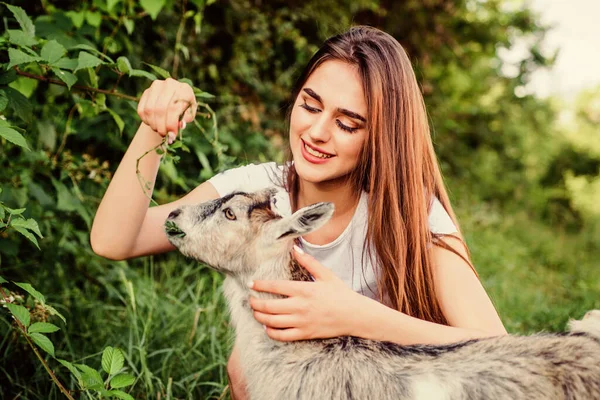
[344, 256]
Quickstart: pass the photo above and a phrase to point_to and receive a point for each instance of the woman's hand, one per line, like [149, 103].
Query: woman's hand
[163, 103]
[321, 309]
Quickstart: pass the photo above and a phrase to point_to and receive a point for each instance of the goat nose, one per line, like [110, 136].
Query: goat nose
[174, 214]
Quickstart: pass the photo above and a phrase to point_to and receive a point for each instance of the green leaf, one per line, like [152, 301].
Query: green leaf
[121, 380]
[68, 78]
[7, 77]
[52, 51]
[13, 136]
[19, 104]
[42, 327]
[66, 201]
[15, 211]
[53, 311]
[173, 229]
[87, 369]
[77, 18]
[90, 377]
[93, 18]
[129, 25]
[23, 20]
[93, 50]
[37, 192]
[44, 343]
[29, 289]
[120, 394]
[204, 161]
[30, 224]
[124, 65]
[86, 60]
[159, 71]
[3, 100]
[111, 3]
[112, 360]
[21, 38]
[152, 7]
[71, 368]
[143, 74]
[118, 119]
[203, 95]
[17, 57]
[2, 280]
[28, 235]
[66, 63]
[20, 313]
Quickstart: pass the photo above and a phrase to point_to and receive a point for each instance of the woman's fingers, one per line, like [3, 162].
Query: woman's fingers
[164, 103]
[190, 112]
[279, 321]
[285, 288]
[141, 108]
[286, 335]
[166, 121]
[314, 267]
[274, 306]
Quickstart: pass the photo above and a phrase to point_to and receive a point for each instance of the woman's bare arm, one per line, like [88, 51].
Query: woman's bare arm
[464, 302]
[124, 225]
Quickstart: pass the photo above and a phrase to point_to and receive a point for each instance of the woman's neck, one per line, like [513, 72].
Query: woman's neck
[341, 194]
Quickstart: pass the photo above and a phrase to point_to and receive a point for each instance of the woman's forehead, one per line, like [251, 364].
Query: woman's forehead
[339, 85]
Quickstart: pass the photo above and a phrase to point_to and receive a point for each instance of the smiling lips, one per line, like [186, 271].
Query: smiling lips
[309, 150]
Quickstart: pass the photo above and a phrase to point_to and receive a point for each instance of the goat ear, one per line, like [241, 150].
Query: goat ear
[303, 221]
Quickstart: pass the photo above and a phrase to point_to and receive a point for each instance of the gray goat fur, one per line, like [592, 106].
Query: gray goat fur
[241, 236]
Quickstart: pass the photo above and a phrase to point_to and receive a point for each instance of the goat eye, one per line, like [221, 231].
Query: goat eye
[229, 214]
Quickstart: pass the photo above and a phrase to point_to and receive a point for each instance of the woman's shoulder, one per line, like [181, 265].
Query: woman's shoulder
[248, 178]
[439, 219]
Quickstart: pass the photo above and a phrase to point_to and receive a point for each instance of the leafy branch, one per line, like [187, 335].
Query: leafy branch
[27, 51]
[52, 57]
[22, 319]
[83, 88]
[87, 377]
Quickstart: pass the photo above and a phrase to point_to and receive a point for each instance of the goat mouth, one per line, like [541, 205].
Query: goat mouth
[173, 230]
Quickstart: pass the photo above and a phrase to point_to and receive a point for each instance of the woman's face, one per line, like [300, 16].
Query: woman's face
[328, 123]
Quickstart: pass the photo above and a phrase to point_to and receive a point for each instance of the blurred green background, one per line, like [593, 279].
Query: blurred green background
[524, 183]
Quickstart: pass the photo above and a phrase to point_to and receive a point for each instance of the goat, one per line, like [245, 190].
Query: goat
[241, 236]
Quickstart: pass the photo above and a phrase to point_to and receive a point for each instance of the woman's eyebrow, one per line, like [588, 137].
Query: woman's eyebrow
[349, 113]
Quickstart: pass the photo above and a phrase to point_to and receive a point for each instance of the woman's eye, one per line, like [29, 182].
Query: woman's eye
[344, 127]
[309, 108]
[229, 214]
[338, 123]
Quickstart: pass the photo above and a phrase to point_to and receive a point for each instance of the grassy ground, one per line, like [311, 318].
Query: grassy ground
[538, 277]
[168, 315]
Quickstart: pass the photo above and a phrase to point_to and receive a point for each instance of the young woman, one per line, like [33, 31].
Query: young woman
[391, 263]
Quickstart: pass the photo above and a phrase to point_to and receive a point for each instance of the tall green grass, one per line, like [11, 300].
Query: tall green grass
[537, 276]
[167, 315]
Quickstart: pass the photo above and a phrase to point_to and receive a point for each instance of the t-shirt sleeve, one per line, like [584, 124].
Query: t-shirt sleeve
[248, 178]
[439, 220]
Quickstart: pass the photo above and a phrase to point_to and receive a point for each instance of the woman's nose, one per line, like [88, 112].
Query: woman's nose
[320, 129]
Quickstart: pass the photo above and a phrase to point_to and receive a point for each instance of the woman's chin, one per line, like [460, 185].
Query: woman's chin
[316, 175]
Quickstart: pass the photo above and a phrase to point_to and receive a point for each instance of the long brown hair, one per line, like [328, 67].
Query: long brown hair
[397, 167]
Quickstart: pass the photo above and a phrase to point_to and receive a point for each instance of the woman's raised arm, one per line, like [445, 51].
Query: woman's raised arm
[124, 225]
